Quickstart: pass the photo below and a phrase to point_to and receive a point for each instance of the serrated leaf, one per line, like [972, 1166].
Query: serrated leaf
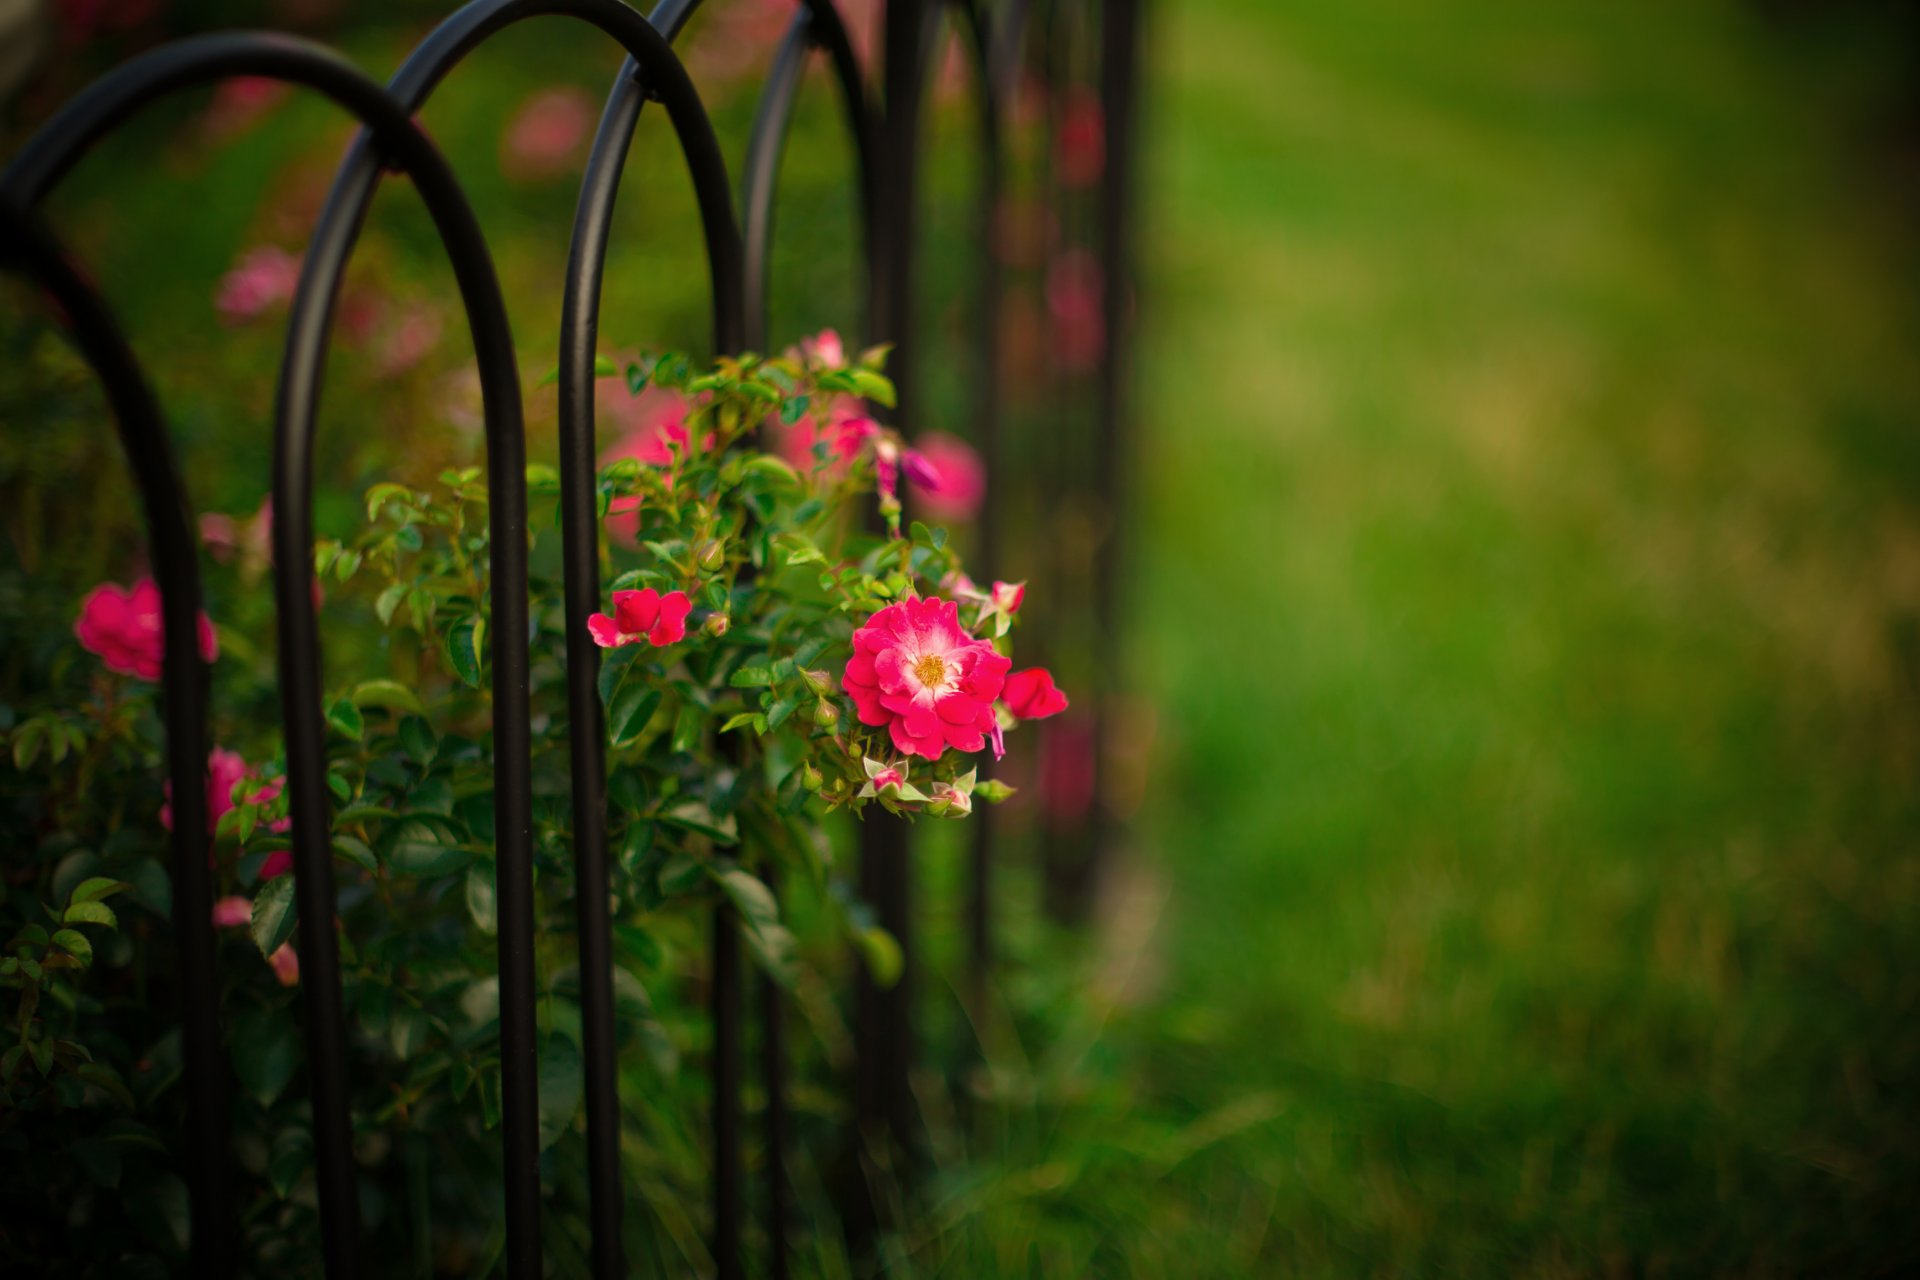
[344, 718]
[91, 913]
[95, 888]
[753, 676]
[465, 648]
[782, 708]
[355, 850]
[75, 943]
[633, 706]
[421, 849]
[273, 914]
[390, 694]
[480, 900]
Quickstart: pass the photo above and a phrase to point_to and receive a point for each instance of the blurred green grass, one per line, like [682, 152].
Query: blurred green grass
[1527, 583]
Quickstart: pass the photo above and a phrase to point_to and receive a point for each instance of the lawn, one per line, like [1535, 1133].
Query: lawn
[1527, 579]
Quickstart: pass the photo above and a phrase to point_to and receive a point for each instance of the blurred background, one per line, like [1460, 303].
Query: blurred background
[1523, 589]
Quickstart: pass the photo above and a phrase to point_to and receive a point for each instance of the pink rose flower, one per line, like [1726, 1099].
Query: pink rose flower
[1032, 695]
[846, 433]
[1066, 772]
[239, 102]
[262, 279]
[233, 912]
[651, 425]
[826, 347]
[916, 672]
[278, 863]
[1080, 149]
[225, 770]
[122, 627]
[1073, 301]
[948, 479]
[1007, 597]
[546, 133]
[286, 965]
[637, 615]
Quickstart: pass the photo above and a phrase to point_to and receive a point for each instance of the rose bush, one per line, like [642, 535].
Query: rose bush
[775, 647]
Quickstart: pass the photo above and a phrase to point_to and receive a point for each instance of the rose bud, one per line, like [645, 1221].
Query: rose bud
[716, 625]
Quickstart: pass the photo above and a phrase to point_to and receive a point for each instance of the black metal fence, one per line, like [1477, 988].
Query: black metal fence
[883, 115]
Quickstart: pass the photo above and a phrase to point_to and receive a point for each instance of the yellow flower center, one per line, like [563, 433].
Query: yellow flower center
[930, 670]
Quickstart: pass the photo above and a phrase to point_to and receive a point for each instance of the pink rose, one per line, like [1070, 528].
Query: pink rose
[278, 863]
[225, 770]
[650, 424]
[1073, 301]
[232, 913]
[546, 133]
[123, 628]
[915, 671]
[286, 965]
[637, 615]
[846, 433]
[263, 278]
[1032, 695]
[1007, 597]
[826, 347]
[947, 476]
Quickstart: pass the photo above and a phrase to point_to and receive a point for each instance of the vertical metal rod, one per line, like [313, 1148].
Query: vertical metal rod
[29, 250]
[1119, 87]
[725, 1010]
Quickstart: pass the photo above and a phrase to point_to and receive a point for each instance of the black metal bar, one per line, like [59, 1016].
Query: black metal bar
[25, 247]
[1119, 75]
[725, 1010]
[651, 70]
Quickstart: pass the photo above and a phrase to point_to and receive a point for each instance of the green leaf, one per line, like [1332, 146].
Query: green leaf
[356, 851]
[874, 386]
[695, 816]
[91, 913]
[633, 706]
[27, 741]
[480, 904]
[291, 1157]
[767, 938]
[389, 601]
[744, 717]
[390, 694]
[273, 915]
[881, 954]
[344, 718]
[614, 668]
[379, 494]
[96, 888]
[75, 944]
[417, 739]
[466, 648]
[637, 378]
[751, 677]
[424, 850]
[604, 368]
[266, 1051]
[104, 1077]
[781, 709]
[686, 728]
[561, 1084]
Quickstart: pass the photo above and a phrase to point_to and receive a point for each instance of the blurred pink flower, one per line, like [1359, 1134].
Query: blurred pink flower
[826, 347]
[234, 912]
[1073, 301]
[262, 279]
[1066, 771]
[949, 480]
[225, 769]
[848, 430]
[122, 627]
[651, 424]
[240, 102]
[546, 133]
[1080, 149]
[286, 965]
[410, 338]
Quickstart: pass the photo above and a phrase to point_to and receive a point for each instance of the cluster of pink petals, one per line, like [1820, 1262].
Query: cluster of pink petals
[651, 426]
[1032, 695]
[1073, 303]
[916, 672]
[546, 133]
[262, 279]
[123, 628]
[642, 615]
[1080, 148]
[826, 348]
[226, 770]
[946, 477]
[239, 102]
[845, 433]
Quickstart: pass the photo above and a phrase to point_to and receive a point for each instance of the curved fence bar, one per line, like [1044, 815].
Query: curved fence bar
[26, 248]
[651, 71]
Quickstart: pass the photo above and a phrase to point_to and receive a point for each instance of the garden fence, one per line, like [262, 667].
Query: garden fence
[882, 108]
